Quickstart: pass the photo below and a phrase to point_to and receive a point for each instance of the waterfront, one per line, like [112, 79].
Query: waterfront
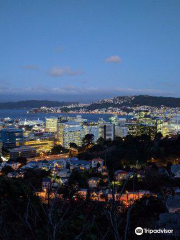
[22, 114]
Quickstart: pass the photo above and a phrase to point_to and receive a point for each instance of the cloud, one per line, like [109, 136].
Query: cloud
[74, 93]
[61, 71]
[31, 67]
[113, 59]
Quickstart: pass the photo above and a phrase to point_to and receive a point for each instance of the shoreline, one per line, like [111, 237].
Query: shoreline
[114, 113]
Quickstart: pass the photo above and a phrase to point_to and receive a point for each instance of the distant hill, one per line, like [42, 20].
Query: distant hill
[120, 101]
[131, 101]
[33, 104]
[156, 101]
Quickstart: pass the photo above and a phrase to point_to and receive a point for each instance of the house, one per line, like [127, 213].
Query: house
[64, 173]
[31, 164]
[96, 162]
[80, 164]
[14, 165]
[129, 197]
[42, 164]
[82, 193]
[46, 184]
[94, 196]
[68, 160]
[120, 175]
[14, 175]
[61, 163]
[93, 182]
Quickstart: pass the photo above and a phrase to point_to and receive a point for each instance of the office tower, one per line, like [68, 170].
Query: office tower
[51, 124]
[136, 129]
[107, 131]
[174, 126]
[12, 137]
[91, 128]
[60, 130]
[73, 135]
[61, 127]
[121, 130]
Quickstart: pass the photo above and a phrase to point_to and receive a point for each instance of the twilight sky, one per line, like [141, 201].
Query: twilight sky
[85, 50]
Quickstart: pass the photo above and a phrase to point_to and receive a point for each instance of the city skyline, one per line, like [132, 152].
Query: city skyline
[88, 50]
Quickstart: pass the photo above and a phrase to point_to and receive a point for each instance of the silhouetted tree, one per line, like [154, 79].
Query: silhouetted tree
[6, 169]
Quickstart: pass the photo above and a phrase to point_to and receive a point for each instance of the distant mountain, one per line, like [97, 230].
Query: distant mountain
[156, 101]
[120, 101]
[33, 104]
[132, 101]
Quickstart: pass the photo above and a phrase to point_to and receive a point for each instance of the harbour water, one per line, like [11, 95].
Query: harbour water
[22, 114]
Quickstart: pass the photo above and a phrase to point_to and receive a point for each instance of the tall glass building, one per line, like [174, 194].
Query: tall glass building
[11, 137]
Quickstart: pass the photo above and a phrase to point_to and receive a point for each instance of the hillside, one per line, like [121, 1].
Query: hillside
[120, 101]
[131, 101]
[33, 104]
[156, 101]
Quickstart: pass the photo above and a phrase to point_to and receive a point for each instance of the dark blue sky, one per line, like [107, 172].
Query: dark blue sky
[88, 49]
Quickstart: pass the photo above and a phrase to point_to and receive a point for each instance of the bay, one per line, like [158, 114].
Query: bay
[22, 114]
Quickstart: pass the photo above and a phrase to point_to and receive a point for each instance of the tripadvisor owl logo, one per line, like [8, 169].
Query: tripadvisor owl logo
[138, 231]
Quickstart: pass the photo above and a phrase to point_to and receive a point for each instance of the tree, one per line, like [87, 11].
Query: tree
[144, 213]
[33, 177]
[58, 149]
[22, 160]
[88, 139]
[79, 179]
[73, 145]
[100, 141]
[6, 169]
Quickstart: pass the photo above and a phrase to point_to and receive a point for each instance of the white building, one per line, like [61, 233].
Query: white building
[73, 135]
[91, 128]
[174, 126]
[51, 124]
[121, 131]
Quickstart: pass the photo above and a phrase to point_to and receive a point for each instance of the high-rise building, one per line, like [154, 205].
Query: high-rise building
[137, 129]
[60, 130]
[120, 128]
[174, 126]
[121, 131]
[51, 124]
[12, 137]
[61, 127]
[91, 128]
[73, 135]
[107, 131]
